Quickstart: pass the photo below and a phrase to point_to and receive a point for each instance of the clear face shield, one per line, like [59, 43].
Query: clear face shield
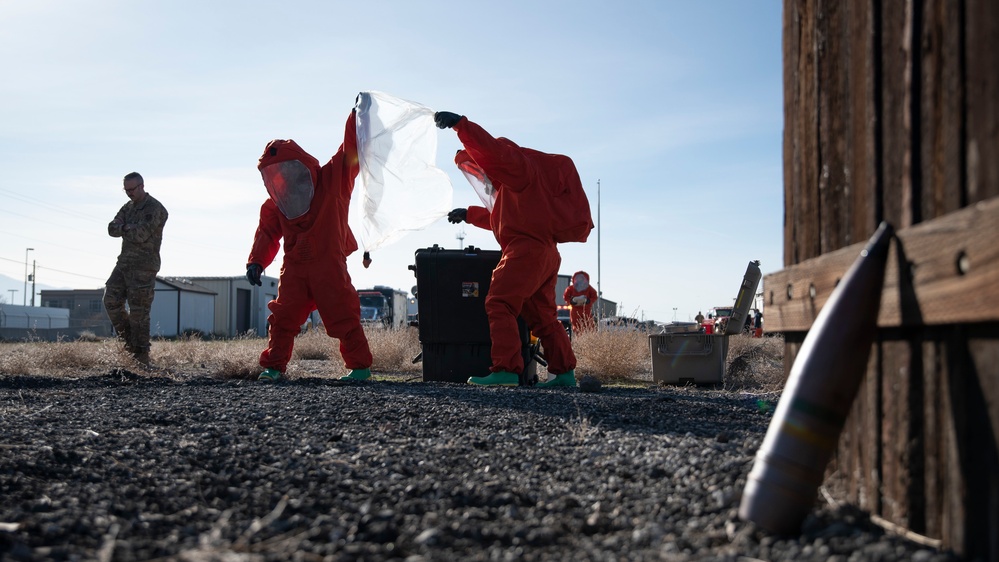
[480, 183]
[289, 184]
[580, 283]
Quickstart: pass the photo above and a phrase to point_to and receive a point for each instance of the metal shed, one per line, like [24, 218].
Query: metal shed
[239, 306]
[181, 306]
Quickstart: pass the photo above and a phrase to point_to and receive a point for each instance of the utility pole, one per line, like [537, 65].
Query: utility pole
[25, 300]
[34, 265]
[600, 294]
[461, 238]
[12, 291]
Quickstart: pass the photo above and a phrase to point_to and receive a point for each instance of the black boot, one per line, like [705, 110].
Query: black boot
[141, 355]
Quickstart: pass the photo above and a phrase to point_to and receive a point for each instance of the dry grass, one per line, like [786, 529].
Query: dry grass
[755, 364]
[621, 357]
[612, 355]
[315, 345]
[394, 350]
[33, 358]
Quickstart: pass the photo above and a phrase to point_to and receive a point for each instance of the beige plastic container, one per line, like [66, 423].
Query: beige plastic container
[696, 358]
[688, 358]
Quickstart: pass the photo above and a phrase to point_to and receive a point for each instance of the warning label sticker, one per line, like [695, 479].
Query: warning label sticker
[469, 289]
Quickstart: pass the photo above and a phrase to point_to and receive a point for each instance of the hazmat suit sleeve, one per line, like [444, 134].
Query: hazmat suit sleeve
[267, 239]
[478, 216]
[501, 160]
[351, 161]
[567, 295]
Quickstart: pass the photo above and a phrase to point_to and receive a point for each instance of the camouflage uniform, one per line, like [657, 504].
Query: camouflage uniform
[134, 276]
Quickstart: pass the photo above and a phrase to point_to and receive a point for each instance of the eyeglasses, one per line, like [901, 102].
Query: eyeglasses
[130, 190]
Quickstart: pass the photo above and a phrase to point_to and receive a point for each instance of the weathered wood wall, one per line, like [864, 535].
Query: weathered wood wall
[892, 113]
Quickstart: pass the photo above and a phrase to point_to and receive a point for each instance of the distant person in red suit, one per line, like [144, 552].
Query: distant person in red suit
[580, 296]
[308, 208]
[523, 283]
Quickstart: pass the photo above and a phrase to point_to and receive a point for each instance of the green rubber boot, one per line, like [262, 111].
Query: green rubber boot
[499, 378]
[565, 379]
[357, 375]
[269, 375]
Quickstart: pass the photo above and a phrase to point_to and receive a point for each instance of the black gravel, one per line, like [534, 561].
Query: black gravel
[129, 467]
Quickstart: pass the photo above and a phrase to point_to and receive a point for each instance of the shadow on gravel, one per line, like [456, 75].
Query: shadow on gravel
[648, 410]
[652, 410]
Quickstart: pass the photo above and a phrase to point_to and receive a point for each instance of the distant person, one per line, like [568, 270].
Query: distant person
[307, 207]
[580, 296]
[523, 183]
[139, 224]
[699, 318]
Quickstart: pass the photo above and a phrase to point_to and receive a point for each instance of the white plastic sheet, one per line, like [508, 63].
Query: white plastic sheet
[400, 188]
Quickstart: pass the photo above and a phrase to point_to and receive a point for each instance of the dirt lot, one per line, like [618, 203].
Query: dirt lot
[122, 466]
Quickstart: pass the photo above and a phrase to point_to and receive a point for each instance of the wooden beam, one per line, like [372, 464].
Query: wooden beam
[950, 276]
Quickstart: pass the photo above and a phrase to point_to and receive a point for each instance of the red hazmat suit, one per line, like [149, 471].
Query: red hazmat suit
[308, 208]
[523, 284]
[580, 314]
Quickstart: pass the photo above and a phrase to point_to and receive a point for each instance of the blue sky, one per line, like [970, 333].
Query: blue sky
[674, 107]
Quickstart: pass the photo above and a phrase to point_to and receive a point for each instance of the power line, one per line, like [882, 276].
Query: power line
[170, 238]
[199, 246]
[36, 219]
[70, 273]
[46, 204]
[21, 262]
[39, 242]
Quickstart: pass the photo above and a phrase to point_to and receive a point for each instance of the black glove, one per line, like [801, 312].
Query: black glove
[253, 272]
[446, 119]
[457, 215]
[362, 101]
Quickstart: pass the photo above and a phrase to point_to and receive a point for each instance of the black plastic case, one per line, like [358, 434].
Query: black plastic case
[451, 290]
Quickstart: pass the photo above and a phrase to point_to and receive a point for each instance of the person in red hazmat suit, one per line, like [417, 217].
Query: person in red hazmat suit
[307, 207]
[523, 283]
[580, 296]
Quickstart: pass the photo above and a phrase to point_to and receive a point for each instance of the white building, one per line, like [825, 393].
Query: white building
[33, 317]
[42, 322]
[181, 306]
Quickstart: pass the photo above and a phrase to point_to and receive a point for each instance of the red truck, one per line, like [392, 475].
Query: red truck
[717, 320]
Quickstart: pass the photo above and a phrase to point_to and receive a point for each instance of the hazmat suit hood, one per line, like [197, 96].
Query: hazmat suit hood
[477, 177]
[290, 175]
[581, 285]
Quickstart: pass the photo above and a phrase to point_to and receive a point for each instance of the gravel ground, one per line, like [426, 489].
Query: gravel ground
[122, 466]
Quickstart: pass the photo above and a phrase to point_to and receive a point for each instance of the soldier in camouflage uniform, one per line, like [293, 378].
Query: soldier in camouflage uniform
[139, 224]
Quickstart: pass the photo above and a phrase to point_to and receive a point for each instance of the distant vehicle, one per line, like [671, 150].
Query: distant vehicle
[625, 323]
[383, 306]
[717, 320]
[681, 328]
[718, 317]
[563, 317]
